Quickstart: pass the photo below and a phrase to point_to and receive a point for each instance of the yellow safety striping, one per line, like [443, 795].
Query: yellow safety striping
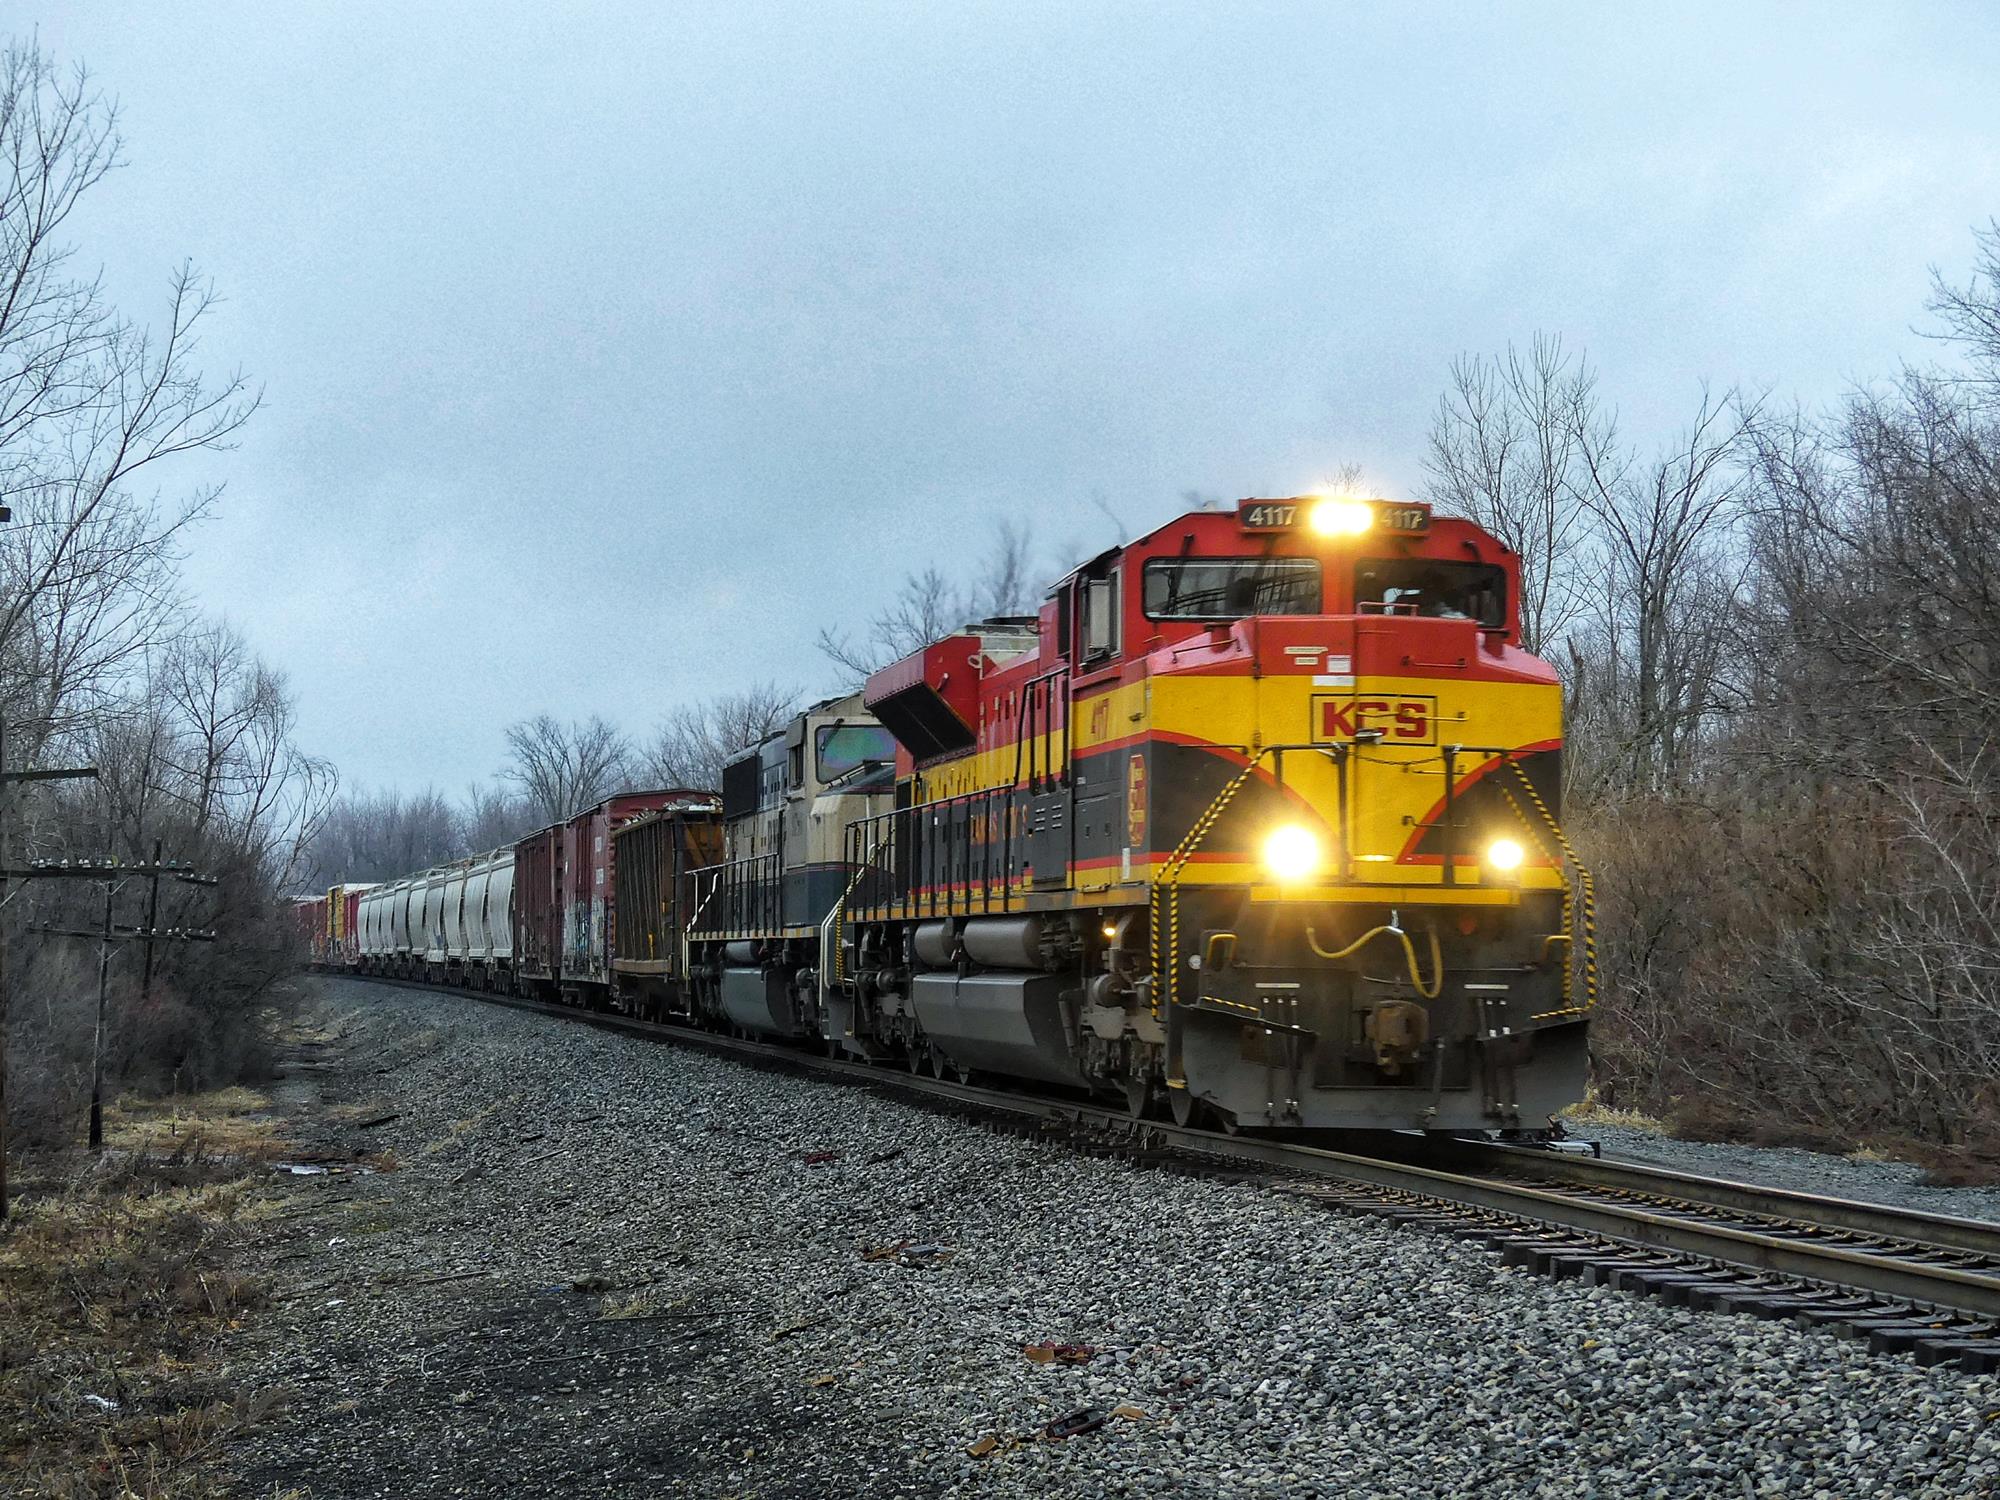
[1583, 882]
[1167, 895]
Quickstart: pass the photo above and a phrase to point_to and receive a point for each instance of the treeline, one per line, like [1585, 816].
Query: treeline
[554, 769]
[105, 664]
[1779, 634]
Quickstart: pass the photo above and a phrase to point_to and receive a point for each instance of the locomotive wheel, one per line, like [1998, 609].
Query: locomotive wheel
[1140, 1103]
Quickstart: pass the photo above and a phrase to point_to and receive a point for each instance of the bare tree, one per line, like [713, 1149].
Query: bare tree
[1006, 585]
[1798, 920]
[491, 817]
[1347, 478]
[1506, 450]
[1670, 574]
[930, 606]
[690, 748]
[90, 402]
[58, 139]
[1971, 314]
[92, 405]
[562, 768]
[229, 755]
[383, 836]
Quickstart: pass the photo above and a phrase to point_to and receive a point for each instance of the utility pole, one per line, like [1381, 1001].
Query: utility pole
[114, 875]
[97, 1036]
[152, 921]
[7, 780]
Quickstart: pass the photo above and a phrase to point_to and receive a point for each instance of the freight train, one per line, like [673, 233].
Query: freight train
[1256, 822]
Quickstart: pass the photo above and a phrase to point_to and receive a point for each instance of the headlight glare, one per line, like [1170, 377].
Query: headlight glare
[1504, 854]
[1341, 517]
[1292, 852]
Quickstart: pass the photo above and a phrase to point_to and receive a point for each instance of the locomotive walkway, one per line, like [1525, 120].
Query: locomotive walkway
[607, 1268]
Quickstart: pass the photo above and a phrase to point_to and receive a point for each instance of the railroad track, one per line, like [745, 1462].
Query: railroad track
[1904, 1281]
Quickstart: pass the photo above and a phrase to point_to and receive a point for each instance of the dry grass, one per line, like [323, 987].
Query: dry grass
[1590, 1110]
[117, 1285]
[230, 1124]
[646, 1302]
[1965, 1164]
[1948, 1166]
[1723, 1122]
[457, 1131]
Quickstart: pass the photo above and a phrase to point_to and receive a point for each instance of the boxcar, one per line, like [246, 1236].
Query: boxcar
[309, 918]
[655, 855]
[590, 881]
[538, 909]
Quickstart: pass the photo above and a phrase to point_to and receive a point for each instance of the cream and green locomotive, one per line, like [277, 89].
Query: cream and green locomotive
[761, 930]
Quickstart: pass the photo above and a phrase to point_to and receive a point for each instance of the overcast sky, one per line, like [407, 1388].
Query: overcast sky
[610, 351]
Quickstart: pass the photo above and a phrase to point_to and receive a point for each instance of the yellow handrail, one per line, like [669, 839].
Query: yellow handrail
[1579, 889]
[1167, 892]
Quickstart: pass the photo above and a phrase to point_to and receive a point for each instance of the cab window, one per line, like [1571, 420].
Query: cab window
[1435, 590]
[841, 748]
[1229, 588]
[1097, 626]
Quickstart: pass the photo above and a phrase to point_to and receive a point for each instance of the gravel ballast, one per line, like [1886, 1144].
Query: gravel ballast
[606, 1267]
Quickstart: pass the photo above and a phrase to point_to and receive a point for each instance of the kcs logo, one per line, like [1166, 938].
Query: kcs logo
[1398, 719]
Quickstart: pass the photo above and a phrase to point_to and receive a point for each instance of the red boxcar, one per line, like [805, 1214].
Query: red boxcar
[590, 880]
[538, 909]
[310, 916]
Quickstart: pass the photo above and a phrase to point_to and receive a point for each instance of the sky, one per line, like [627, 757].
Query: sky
[610, 352]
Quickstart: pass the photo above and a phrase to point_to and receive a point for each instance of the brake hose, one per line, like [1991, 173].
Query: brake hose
[1428, 992]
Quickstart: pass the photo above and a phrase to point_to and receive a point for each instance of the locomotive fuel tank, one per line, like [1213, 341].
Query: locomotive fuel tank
[1010, 1023]
[760, 1000]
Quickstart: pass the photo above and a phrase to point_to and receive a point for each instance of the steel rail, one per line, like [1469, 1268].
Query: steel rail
[1854, 1216]
[1875, 1271]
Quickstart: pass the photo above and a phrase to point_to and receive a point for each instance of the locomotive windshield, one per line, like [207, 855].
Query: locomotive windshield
[842, 748]
[1228, 588]
[1440, 590]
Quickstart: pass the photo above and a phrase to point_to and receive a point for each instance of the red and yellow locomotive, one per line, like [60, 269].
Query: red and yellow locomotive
[1257, 821]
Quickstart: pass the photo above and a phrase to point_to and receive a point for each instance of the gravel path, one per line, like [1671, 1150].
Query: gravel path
[1892, 1182]
[1254, 1345]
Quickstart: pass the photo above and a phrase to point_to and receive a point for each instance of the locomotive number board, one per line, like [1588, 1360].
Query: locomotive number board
[1402, 519]
[1396, 518]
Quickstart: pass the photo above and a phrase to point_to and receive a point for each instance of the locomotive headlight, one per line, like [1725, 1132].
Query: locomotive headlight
[1341, 517]
[1504, 855]
[1291, 853]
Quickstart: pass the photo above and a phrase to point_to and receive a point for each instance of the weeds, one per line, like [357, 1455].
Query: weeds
[116, 1287]
[1591, 1110]
[643, 1303]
